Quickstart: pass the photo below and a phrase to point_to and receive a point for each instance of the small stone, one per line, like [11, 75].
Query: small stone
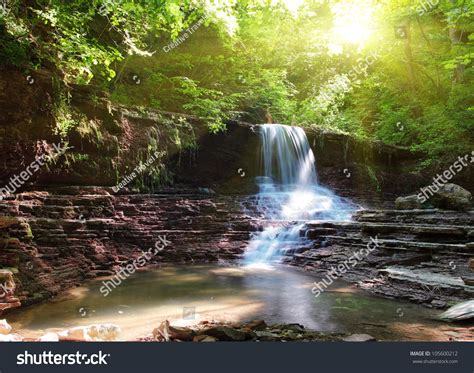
[359, 338]
[296, 328]
[408, 203]
[267, 336]
[10, 338]
[5, 328]
[224, 333]
[469, 281]
[438, 303]
[162, 333]
[461, 311]
[204, 338]
[101, 332]
[49, 337]
[256, 325]
[183, 334]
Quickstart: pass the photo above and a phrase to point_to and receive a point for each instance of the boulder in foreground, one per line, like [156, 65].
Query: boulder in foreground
[461, 311]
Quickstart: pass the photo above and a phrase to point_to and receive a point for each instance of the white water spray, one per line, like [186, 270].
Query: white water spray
[289, 192]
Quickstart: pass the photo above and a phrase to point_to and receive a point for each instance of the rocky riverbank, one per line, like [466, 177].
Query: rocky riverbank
[423, 256]
[57, 239]
[211, 331]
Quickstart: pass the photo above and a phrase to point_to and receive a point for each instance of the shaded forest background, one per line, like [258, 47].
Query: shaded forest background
[395, 71]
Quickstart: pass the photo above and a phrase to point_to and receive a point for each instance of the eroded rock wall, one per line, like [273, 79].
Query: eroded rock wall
[57, 239]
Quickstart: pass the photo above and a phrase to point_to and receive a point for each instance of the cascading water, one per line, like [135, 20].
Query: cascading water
[288, 192]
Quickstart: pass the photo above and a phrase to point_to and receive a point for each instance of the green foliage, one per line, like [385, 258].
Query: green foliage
[65, 118]
[252, 59]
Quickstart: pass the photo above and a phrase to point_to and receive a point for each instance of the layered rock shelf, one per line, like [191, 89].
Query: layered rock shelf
[423, 256]
[55, 240]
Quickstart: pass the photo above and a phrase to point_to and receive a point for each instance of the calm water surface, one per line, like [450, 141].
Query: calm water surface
[189, 294]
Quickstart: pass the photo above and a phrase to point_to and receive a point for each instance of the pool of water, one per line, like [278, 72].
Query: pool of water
[190, 294]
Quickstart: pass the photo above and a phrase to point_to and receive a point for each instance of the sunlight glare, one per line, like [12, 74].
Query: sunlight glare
[292, 5]
[352, 22]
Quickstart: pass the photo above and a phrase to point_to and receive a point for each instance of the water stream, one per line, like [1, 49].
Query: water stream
[288, 191]
[289, 194]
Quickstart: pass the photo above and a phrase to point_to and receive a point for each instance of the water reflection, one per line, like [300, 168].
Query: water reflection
[275, 294]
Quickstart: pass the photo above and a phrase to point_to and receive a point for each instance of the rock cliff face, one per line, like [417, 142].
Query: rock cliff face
[54, 240]
[418, 255]
[108, 142]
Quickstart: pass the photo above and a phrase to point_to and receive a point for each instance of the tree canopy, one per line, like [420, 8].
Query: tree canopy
[399, 71]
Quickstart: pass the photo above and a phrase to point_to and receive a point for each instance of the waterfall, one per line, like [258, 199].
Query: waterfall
[289, 194]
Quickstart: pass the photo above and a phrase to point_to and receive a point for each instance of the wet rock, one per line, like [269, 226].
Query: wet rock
[462, 311]
[67, 235]
[452, 197]
[225, 333]
[266, 336]
[101, 332]
[256, 325]
[5, 328]
[209, 332]
[10, 338]
[296, 328]
[359, 338]
[468, 280]
[204, 338]
[411, 202]
[183, 334]
[162, 333]
[438, 304]
[49, 337]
